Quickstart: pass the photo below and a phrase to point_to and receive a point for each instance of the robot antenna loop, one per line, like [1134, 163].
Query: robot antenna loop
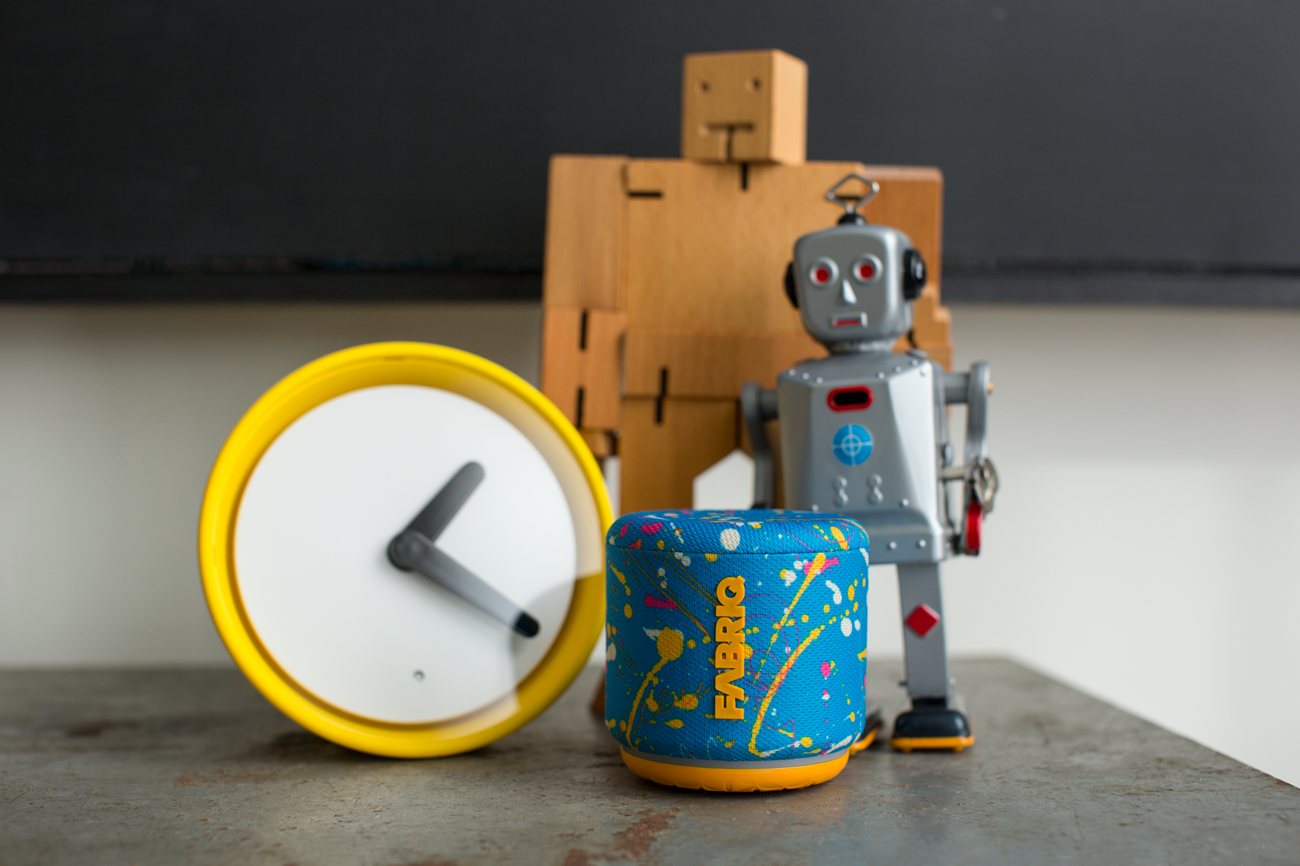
[851, 203]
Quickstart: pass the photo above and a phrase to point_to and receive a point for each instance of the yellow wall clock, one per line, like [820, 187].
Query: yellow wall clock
[402, 547]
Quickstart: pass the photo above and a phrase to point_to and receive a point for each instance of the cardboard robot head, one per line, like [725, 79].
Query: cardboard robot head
[854, 284]
[744, 106]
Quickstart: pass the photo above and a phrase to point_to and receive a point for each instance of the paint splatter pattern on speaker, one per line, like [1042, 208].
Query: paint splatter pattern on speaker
[805, 579]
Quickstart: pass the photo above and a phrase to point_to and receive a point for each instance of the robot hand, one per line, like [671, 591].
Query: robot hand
[978, 473]
[981, 488]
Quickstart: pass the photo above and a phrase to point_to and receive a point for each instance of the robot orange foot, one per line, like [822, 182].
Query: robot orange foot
[931, 724]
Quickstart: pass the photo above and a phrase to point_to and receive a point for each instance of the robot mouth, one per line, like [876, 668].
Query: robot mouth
[858, 320]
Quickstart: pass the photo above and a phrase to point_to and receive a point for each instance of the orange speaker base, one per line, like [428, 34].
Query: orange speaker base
[726, 779]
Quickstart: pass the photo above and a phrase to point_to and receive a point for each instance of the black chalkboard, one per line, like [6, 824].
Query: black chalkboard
[1093, 151]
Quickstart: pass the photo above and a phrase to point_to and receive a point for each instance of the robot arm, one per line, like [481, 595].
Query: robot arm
[973, 389]
[758, 406]
[980, 476]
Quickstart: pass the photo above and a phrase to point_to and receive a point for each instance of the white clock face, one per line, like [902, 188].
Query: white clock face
[311, 554]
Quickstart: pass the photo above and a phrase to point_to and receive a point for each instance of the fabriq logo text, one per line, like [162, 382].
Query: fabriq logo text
[729, 648]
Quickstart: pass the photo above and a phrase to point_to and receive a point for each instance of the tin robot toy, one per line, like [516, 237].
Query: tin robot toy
[864, 433]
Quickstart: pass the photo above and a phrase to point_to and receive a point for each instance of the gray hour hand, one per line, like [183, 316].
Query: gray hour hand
[414, 549]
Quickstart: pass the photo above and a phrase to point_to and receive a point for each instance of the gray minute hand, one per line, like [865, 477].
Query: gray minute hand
[414, 550]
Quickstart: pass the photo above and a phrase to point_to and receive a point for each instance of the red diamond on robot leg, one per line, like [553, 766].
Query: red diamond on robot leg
[922, 619]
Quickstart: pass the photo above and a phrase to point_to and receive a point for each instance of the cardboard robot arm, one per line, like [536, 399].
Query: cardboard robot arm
[759, 406]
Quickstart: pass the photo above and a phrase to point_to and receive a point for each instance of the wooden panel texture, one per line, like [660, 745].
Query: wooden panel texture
[585, 213]
[710, 365]
[581, 360]
[666, 443]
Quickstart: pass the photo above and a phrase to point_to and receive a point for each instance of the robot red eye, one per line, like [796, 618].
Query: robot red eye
[866, 269]
[822, 272]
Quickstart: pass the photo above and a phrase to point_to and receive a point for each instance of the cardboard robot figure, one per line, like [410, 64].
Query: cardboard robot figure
[864, 433]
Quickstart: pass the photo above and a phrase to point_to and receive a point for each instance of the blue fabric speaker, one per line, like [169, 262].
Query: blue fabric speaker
[736, 645]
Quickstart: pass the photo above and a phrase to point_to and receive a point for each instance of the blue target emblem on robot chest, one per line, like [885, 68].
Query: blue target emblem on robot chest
[852, 444]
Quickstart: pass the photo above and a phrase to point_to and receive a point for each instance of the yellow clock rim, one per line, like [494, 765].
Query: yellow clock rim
[398, 364]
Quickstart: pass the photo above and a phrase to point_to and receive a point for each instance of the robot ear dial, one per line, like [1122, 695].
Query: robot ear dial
[823, 272]
[867, 269]
[791, 288]
[913, 275]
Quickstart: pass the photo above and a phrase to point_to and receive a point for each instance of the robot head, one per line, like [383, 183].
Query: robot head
[744, 106]
[854, 283]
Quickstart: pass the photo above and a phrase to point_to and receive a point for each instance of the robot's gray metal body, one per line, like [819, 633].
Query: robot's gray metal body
[881, 470]
[864, 433]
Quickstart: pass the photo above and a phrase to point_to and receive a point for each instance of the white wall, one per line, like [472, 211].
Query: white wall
[1139, 550]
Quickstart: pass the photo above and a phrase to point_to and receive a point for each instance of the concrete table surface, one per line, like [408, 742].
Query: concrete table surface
[193, 766]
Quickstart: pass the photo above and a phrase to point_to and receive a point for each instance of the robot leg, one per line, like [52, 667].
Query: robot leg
[931, 723]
